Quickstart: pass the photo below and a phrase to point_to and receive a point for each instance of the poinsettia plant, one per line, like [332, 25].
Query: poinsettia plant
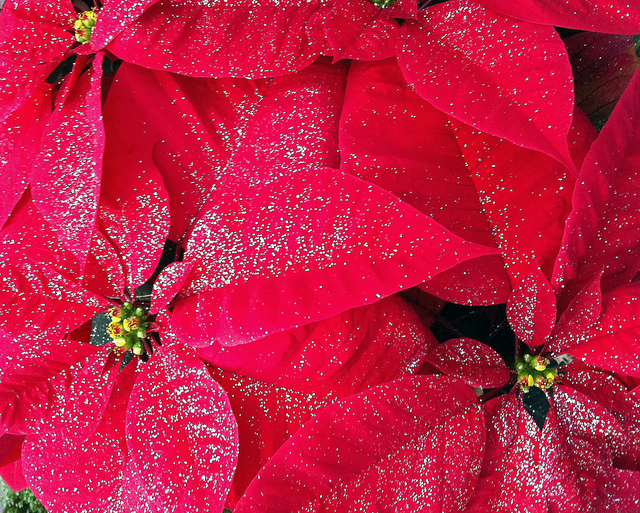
[320, 256]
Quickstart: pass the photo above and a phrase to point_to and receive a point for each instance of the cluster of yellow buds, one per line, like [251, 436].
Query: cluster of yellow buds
[84, 25]
[128, 327]
[534, 371]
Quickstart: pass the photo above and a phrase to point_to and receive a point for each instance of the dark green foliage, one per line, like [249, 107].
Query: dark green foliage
[537, 404]
[21, 502]
[62, 69]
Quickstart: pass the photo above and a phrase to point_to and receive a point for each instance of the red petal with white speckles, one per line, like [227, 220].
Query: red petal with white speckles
[41, 279]
[357, 29]
[415, 443]
[133, 212]
[614, 342]
[182, 434]
[289, 250]
[456, 59]
[34, 36]
[66, 176]
[183, 123]
[114, 17]
[426, 169]
[531, 309]
[168, 284]
[577, 453]
[221, 39]
[603, 230]
[53, 386]
[276, 384]
[341, 355]
[525, 194]
[267, 416]
[19, 143]
[510, 479]
[85, 475]
[470, 361]
[578, 319]
[613, 16]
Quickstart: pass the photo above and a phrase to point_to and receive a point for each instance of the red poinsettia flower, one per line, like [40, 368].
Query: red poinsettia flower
[280, 238]
[69, 397]
[377, 448]
[52, 137]
[263, 233]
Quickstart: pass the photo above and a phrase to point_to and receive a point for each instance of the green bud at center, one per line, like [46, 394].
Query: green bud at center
[534, 371]
[83, 26]
[128, 328]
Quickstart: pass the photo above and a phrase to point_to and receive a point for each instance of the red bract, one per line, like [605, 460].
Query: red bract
[65, 173]
[482, 188]
[61, 399]
[617, 17]
[603, 230]
[175, 449]
[526, 99]
[399, 445]
[231, 39]
[278, 383]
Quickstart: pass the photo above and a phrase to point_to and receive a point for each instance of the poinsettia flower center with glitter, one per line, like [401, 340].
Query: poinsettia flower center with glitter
[534, 371]
[83, 26]
[129, 329]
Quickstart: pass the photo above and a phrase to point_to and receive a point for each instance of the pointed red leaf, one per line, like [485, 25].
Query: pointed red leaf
[414, 443]
[614, 342]
[525, 194]
[70, 475]
[510, 479]
[66, 177]
[115, 16]
[133, 212]
[426, 169]
[603, 65]
[341, 355]
[267, 416]
[19, 143]
[456, 57]
[34, 36]
[40, 278]
[357, 29]
[604, 389]
[53, 386]
[289, 250]
[182, 123]
[603, 229]
[181, 433]
[531, 309]
[307, 368]
[470, 361]
[576, 321]
[295, 125]
[614, 16]
[236, 38]
[577, 452]
[168, 285]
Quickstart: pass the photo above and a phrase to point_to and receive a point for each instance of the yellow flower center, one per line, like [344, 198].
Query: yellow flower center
[128, 328]
[534, 371]
[83, 26]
